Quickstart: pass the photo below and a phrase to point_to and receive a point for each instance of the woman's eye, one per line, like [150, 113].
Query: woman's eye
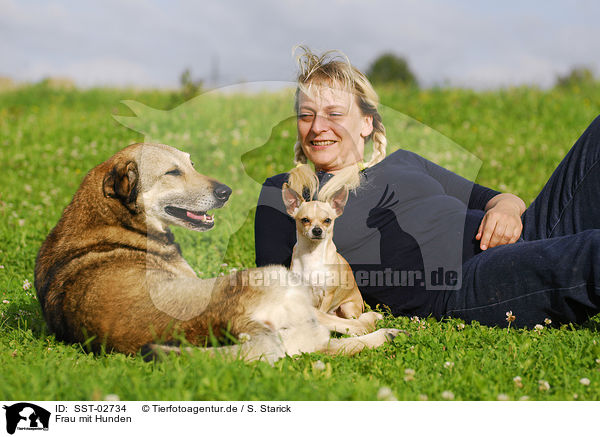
[304, 220]
[336, 114]
[304, 116]
[174, 172]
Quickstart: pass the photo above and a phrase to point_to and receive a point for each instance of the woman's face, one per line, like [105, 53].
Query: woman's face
[331, 128]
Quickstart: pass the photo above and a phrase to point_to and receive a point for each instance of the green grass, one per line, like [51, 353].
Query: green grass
[510, 140]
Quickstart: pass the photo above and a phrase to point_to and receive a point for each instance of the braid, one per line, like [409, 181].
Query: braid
[379, 141]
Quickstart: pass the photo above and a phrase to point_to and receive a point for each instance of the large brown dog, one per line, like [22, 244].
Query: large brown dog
[110, 270]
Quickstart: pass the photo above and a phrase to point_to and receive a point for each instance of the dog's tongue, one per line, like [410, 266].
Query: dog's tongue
[202, 217]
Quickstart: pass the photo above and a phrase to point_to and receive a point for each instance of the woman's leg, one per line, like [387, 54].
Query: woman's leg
[556, 278]
[570, 201]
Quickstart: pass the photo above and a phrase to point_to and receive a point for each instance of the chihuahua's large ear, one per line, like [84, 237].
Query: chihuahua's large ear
[338, 200]
[291, 199]
[121, 183]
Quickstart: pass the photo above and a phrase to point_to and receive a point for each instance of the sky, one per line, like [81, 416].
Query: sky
[467, 43]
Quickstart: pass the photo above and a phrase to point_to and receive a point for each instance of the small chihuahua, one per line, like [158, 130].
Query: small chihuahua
[316, 260]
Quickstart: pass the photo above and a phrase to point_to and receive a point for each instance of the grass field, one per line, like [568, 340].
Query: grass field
[510, 140]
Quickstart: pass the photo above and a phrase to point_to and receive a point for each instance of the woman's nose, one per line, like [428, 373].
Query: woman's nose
[320, 124]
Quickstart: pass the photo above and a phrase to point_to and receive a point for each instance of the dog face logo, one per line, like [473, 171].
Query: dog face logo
[26, 416]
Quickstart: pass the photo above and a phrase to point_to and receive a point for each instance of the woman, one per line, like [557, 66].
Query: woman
[423, 240]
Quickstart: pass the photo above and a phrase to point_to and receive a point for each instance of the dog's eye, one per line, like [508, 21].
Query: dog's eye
[327, 221]
[193, 165]
[304, 220]
[174, 172]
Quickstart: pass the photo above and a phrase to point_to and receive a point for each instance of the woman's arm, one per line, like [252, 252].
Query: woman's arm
[502, 221]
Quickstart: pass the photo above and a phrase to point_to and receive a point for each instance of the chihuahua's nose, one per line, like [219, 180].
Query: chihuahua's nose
[317, 232]
[222, 192]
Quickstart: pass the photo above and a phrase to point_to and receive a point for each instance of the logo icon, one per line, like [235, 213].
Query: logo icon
[26, 416]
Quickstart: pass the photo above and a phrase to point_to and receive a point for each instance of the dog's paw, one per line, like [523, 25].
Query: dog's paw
[148, 352]
[392, 333]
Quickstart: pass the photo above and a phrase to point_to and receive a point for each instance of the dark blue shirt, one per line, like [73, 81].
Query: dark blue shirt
[405, 231]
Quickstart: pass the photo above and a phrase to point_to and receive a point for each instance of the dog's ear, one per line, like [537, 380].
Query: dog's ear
[338, 200]
[121, 182]
[291, 199]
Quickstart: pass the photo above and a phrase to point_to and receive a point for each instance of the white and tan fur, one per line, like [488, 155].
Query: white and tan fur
[322, 268]
[111, 272]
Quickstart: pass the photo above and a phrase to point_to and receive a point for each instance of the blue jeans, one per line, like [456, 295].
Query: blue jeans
[554, 272]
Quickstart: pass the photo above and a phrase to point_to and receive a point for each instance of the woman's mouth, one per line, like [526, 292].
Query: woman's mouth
[321, 144]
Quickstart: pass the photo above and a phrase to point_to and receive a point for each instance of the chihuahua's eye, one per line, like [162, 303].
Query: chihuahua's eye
[327, 221]
[193, 165]
[174, 172]
[304, 220]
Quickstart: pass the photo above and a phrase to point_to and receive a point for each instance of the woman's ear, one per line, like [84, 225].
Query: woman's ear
[367, 126]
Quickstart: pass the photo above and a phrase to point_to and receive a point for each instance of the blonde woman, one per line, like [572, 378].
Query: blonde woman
[422, 240]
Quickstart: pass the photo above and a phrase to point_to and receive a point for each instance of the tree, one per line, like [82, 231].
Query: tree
[189, 87]
[576, 77]
[389, 67]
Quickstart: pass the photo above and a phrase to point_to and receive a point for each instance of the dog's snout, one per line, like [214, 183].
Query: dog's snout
[317, 232]
[222, 192]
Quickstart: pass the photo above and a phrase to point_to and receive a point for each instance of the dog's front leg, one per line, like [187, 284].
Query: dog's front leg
[358, 326]
[351, 346]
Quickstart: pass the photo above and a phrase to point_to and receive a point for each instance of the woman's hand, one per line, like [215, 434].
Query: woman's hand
[502, 221]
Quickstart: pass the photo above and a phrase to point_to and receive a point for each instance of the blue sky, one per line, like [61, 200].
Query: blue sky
[149, 43]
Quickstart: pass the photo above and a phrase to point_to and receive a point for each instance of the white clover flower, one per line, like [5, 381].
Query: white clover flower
[518, 382]
[543, 385]
[547, 321]
[423, 397]
[448, 395]
[460, 326]
[510, 317]
[524, 398]
[244, 337]
[112, 397]
[386, 394]
[538, 328]
[6, 301]
[26, 284]
[318, 365]
[503, 397]
[584, 381]
[449, 364]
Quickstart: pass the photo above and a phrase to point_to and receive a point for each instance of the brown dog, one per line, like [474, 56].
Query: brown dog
[111, 271]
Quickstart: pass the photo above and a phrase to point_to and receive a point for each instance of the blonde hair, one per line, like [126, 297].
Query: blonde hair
[303, 180]
[333, 68]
